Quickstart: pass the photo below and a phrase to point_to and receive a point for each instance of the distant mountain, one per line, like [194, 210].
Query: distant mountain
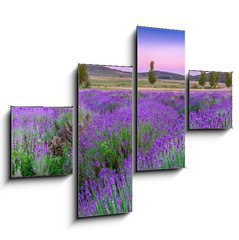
[197, 77]
[163, 75]
[102, 71]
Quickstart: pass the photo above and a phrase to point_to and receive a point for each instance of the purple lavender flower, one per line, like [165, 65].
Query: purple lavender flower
[160, 130]
[210, 110]
[105, 152]
[33, 129]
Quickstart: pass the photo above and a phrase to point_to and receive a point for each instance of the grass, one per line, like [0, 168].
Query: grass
[110, 151]
[117, 82]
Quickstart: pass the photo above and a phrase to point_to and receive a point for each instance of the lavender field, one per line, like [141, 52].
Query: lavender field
[41, 141]
[210, 110]
[160, 130]
[105, 152]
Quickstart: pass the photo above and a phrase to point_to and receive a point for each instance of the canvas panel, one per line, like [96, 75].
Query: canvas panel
[104, 140]
[160, 99]
[210, 100]
[41, 141]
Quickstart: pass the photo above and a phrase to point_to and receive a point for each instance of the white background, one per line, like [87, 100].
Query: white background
[41, 43]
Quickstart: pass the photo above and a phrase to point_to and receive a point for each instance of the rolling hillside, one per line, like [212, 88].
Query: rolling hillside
[104, 71]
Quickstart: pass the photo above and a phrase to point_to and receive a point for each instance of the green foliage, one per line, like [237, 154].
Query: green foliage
[63, 120]
[228, 79]
[22, 164]
[202, 79]
[110, 107]
[111, 151]
[218, 76]
[110, 207]
[212, 80]
[175, 160]
[213, 101]
[151, 75]
[181, 111]
[54, 165]
[146, 130]
[84, 117]
[194, 107]
[27, 166]
[87, 84]
[83, 76]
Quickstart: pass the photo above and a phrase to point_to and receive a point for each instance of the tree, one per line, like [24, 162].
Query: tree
[212, 80]
[228, 81]
[202, 79]
[83, 76]
[152, 76]
[218, 76]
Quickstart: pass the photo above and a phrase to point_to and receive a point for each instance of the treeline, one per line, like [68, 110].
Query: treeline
[83, 76]
[214, 79]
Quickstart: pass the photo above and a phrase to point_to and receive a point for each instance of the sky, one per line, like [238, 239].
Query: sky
[165, 47]
[194, 72]
[121, 68]
[198, 72]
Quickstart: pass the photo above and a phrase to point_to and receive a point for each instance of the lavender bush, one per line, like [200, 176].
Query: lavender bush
[160, 130]
[105, 152]
[41, 141]
[210, 110]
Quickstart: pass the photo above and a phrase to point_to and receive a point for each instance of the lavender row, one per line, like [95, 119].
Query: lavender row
[210, 110]
[105, 153]
[160, 130]
[41, 141]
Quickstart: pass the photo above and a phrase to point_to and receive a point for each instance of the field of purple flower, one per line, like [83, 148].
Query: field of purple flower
[210, 110]
[105, 152]
[41, 141]
[160, 130]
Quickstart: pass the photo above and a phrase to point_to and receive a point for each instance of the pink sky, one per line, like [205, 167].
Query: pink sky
[166, 58]
[194, 72]
[125, 69]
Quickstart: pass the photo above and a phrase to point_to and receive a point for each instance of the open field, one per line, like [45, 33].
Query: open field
[162, 84]
[126, 83]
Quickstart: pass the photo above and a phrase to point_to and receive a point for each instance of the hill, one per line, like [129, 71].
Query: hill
[163, 75]
[104, 71]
